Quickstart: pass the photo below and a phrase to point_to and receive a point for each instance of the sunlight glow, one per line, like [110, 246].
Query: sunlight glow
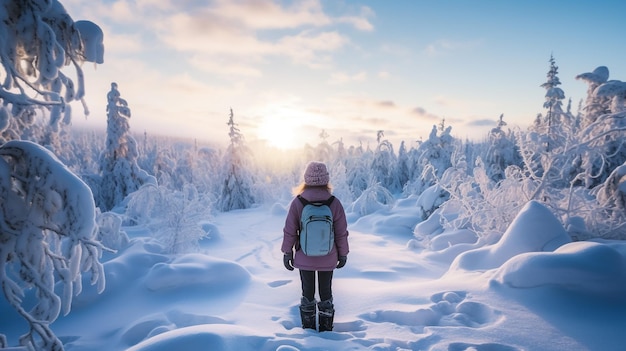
[280, 131]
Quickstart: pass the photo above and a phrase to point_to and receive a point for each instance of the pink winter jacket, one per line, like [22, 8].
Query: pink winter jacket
[292, 226]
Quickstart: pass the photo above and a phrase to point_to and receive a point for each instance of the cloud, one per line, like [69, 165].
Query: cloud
[309, 49]
[386, 103]
[423, 114]
[210, 32]
[342, 77]
[360, 22]
[238, 34]
[444, 46]
[482, 123]
[223, 66]
[267, 14]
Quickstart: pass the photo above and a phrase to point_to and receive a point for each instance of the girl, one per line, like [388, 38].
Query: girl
[315, 188]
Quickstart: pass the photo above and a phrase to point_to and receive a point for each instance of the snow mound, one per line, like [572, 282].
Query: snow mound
[278, 210]
[196, 270]
[534, 229]
[216, 337]
[587, 267]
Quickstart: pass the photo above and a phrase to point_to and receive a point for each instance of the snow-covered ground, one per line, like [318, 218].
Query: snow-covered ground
[532, 290]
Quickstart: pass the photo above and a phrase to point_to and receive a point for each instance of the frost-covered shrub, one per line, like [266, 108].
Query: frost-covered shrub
[484, 206]
[431, 159]
[372, 199]
[502, 151]
[384, 167]
[173, 217]
[610, 218]
[110, 232]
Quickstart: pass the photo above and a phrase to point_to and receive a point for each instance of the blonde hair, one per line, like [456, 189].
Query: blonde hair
[303, 186]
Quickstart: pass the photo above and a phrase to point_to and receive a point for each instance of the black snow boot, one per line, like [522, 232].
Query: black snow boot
[326, 315]
[307, 313]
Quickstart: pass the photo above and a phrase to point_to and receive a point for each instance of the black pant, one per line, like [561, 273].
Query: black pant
[324, 281]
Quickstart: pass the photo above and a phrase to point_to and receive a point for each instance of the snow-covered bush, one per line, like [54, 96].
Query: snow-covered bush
[173, 217]
[611, 198]
[431, 159]
[384, 167]
[47, 231]
[110, 232]
[502, 151]
[357, 172]
[374, 198]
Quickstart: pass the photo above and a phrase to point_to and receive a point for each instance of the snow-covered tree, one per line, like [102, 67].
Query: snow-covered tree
[120, 173]
[595, 106]
[236, 189]
[357, 170]
[502, 151]
[37, 39]
[553, 104]
[403, 165]
[47, 214]
[47, 235]
[432, 158]
[604, 125]
[384, 166]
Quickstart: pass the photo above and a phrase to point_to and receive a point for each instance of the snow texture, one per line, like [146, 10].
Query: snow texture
[543, 293]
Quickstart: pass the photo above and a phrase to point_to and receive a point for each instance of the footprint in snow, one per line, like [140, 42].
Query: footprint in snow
[277, 283]
[449, 308]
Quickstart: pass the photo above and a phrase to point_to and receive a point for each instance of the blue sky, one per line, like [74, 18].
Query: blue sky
[292, 68]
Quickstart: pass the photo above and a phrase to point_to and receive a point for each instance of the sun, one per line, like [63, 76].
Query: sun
[280, 132]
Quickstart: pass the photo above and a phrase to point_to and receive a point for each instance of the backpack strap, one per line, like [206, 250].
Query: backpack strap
[329, 201]
[307, 202]
[303, 200]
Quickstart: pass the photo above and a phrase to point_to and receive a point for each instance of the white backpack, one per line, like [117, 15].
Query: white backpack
[317, 235]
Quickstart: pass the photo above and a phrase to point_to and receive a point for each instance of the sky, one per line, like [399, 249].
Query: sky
[292, 69]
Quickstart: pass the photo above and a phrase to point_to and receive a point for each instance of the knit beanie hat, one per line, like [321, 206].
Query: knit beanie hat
[316, 174]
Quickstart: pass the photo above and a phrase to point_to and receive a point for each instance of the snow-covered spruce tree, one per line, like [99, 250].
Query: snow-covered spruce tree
[236, 189]
[118, 165]
[37, 39]
[553, 104]
[502, 151]
[47, 231]
[549, 150]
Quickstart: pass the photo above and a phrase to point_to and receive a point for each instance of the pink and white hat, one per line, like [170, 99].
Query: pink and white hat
[316, 174]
